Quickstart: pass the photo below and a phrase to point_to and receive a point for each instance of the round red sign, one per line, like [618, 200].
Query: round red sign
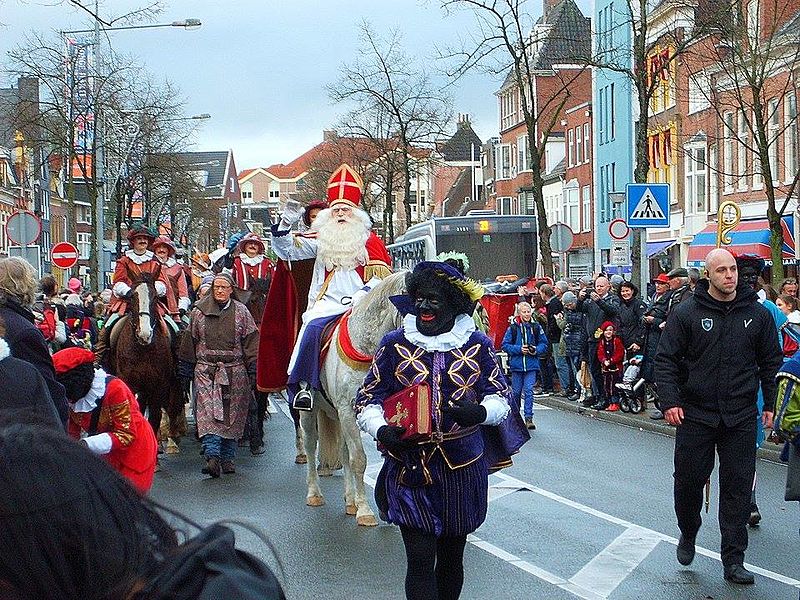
[64, 255]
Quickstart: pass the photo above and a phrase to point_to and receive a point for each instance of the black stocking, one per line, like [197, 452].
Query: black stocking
[435, 568]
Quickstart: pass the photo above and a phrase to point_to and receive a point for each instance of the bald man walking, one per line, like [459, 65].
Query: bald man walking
[717, 347]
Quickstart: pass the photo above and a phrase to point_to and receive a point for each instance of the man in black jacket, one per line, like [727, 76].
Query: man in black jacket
[599, 305]
[717, 347]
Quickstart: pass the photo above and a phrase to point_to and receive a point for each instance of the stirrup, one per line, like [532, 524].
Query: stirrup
[303, 400]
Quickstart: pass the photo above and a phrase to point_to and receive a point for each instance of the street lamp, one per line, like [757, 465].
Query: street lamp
[96, 256]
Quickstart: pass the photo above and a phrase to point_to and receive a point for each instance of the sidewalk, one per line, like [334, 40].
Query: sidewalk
[642, 421]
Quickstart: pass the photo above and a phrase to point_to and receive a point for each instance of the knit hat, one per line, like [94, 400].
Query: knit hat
[568, 298]
[74, 285]
[608, 324]
[69, 358]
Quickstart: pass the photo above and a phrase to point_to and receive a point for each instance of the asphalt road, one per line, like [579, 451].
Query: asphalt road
[585, 512]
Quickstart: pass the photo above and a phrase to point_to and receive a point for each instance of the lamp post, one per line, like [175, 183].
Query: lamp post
[98, 162]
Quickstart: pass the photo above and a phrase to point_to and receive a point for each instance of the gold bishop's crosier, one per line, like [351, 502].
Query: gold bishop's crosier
[728, 218]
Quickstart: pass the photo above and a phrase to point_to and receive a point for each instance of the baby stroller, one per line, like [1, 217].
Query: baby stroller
[633, 391]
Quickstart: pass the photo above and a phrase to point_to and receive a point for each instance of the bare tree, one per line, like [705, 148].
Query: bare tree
[394, 99]
[745, 72]
[504, 42]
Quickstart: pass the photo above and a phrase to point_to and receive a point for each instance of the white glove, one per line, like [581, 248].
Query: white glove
[161, 288]
[292, 213]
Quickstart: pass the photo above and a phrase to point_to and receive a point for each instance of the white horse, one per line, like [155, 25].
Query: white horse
[332, 421]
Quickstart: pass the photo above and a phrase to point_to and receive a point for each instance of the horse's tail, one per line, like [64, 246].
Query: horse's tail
[330, 441]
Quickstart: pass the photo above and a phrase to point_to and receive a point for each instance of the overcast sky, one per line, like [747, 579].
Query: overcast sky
[260, 67]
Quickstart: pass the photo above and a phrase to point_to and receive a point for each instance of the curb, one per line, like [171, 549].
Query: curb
[768, 450]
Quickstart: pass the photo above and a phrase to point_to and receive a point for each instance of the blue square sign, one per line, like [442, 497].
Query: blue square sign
[648, 204]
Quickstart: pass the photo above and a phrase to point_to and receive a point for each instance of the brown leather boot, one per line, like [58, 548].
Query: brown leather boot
[101, 347]
[212, 466]
[228, 467]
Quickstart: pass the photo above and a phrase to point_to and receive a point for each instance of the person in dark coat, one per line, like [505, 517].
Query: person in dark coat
[631, 311]
[23, 388]
[17, 290]
[718, 347]
[654, 320]
[599, 305]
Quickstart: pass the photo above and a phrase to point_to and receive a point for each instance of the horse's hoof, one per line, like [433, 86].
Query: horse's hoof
[300, 459]
[172, 447]
[367, 521]
[324, 472]
[350, 510]
[315, 501]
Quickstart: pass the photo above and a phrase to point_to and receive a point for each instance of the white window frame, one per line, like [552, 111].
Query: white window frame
[713, 179]
[83, 213]
[727, 153]
[696, 178]
[587, 156]
[586, 208]
[773, 133]
[84, 243]
[523, 156]
[743, 136]
[789, 137]
[570, 148]
[578, 145]
[572, 207]
[503, 161]
[753, 24]
[699, 89]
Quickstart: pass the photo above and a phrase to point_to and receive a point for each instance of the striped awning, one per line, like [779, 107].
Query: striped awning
[749, 237]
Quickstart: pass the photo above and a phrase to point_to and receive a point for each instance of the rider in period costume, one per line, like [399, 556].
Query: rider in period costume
[436, 489]
[251, 270]
[136, 261]
[350, 260]
[104, 414]
[177, 298]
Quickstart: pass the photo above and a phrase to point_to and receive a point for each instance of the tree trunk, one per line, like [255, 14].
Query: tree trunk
[541, 214]
[775, 236]
[388, 210]
[639, 268]
[406, 186]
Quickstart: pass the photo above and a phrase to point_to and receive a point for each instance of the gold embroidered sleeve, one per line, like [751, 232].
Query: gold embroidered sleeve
[120, 425]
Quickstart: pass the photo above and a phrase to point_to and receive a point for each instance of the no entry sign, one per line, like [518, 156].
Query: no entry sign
[64, 255]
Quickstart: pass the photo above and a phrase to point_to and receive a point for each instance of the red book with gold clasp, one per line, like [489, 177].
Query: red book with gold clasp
[410, 408]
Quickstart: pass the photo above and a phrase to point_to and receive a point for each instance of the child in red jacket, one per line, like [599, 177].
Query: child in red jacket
[610, 354]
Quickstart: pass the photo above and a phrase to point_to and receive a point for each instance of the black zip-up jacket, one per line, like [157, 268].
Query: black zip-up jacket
[713, 355]
[631, 328]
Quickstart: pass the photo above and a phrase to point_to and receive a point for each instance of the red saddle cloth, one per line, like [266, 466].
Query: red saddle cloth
[344, 345]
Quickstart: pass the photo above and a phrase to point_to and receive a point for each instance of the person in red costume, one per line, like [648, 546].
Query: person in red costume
[178, 291]
[610, 355]
[104, 415]
[350, 260]
[135, 262]
[251, 269]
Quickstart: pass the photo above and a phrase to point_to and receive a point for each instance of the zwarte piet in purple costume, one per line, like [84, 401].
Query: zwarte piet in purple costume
[437, 491]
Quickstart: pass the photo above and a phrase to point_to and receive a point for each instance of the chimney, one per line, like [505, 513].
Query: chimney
[549, 5]
[329, 135]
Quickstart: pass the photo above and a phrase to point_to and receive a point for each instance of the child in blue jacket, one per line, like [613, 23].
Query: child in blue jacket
[524, 342]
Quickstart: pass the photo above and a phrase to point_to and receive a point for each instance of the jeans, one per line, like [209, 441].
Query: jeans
[574, 366]
[522, 383]
[214, 445]
[546, 370]
[562, 368]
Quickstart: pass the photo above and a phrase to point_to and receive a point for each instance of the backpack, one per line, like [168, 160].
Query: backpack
[787, 404]
[48, 324]
[790, 338]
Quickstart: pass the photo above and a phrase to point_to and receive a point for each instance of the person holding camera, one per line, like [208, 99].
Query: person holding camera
[524, 342]
[599, 305]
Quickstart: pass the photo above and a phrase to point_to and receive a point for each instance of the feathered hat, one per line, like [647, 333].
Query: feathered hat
[345, 187]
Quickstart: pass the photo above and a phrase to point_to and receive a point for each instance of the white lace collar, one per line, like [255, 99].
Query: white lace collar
[5, 351]
[98, 390]
[251, 261]
[450, 340]
[139, 259]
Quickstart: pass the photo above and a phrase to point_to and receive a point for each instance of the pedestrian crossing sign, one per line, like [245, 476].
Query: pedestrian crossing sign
[648, 204]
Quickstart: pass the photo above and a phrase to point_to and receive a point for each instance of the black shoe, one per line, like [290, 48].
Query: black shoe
[589, 401]
[257, 449]
[755, 516]
[212, 467]
[685, 551]
[303, 400]
[656, 415]
[599, 406]
[738, 574]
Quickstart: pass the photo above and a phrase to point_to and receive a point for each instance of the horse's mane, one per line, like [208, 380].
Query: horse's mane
[375, 315]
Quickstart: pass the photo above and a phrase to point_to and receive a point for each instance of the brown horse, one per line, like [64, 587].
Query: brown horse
[142, 355]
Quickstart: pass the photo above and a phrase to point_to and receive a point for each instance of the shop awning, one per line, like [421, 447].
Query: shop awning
[654, 248]
[749, 237]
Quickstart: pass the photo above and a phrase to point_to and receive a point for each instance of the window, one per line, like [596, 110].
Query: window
[503, 162]
[752, 23]
[662, 155]
[741, 153]
[274, 189]
[84, 244]
[422, 200]
[790, 137]
[699, 89]
[773, 132]
[570, 147]
[572, 209]
[508, 109]
[600, 116]
[713, 173]
[586, 205]
[578, 145]
[505, 205]
[586, 143]
[661, 76]
[83, 213]
[247, 195]
[3, 232]
[695, 165]
[523, 156]
[727, 153]
[612, 114]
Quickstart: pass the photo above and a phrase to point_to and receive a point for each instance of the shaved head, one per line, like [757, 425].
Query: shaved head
[723, 276]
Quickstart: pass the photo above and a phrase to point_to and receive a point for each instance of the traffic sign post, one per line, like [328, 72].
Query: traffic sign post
[561, 240]
[618, 229]
[621, 252]
[64, 255]
[648, 205]
[23, 227]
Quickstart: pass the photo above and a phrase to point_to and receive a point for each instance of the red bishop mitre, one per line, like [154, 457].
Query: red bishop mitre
[345, 186]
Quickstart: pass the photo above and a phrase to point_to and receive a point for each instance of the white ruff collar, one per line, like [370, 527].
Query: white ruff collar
[139, 259]
[449, 340]
[251, 262]
[98, 390]
[5, 351]
[170, 262]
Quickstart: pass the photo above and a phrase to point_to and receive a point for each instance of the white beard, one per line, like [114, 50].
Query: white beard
[341, 245]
